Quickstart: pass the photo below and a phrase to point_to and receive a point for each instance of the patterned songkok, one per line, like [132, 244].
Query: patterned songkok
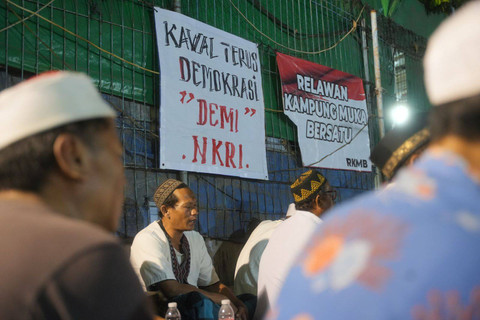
[164, 190]
[306, 186]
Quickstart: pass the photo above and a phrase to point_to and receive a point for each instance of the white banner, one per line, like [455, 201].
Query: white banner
[328, 107]
[211, 99]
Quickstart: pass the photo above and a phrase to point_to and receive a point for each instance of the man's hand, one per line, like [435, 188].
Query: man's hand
[241, 313]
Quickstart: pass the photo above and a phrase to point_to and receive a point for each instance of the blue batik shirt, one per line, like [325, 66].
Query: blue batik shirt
[409, 251]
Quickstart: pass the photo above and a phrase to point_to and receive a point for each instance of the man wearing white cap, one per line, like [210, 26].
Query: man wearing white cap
[412, 251]
[61, 194]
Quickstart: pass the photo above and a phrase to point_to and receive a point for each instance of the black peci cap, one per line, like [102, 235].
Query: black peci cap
[306, 186]
[399, 144]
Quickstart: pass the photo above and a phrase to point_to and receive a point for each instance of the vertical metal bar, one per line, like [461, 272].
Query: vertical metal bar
[239, 22]
[378, 81]
[367, 85]
[341, 24]
[322, 16]
[89, 39]
[23, 45]
[230, 19]
[51, 39]
[346, 63]
[318, 31]
[145, 107]
[111, 58]
[365, 59]
[64, 63]
[266, 30]
[243, 30]
[292, 10]
[330, 30]
[278, 38]
[133, 110]
[226, 213]
[156, 98]
[214, 22]
[312, 30]
[100, 43]
[122, 88]
[76, 39]
[395, 83]
[6, 48]
[177, 6]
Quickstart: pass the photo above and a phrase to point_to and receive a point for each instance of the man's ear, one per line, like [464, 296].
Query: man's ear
[317, 201]
[71, 155]
[412, 158]
[164, 210]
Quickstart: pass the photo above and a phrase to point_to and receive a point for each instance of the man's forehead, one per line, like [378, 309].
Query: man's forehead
[185, 195]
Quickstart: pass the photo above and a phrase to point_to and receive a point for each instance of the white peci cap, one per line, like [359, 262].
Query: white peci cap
[452, 63]
[48, 101]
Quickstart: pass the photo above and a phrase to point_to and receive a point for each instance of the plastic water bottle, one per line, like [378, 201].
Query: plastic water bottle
[172, 312]
[226, 311]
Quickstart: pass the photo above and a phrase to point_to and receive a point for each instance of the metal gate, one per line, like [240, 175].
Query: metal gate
[114, 42]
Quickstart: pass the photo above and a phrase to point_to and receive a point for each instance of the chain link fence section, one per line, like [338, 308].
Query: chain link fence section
[114, 42]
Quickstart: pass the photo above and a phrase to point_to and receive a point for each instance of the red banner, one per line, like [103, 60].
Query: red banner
[329, 109]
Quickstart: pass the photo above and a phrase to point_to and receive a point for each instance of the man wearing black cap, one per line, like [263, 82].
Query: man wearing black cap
[169, 256]
[313, 195]
[401, 146]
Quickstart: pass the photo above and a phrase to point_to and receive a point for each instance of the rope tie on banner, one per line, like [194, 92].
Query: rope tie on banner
[354, 27]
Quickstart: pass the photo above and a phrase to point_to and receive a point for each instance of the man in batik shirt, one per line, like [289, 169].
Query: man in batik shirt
[410, 252]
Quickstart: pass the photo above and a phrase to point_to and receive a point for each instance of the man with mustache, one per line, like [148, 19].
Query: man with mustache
[170, 257]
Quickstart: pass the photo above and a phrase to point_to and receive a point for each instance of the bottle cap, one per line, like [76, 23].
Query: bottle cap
[172, 304]
[225, 301]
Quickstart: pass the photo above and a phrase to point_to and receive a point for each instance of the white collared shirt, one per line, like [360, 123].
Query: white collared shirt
[284, 245]
[151, 259]
[246, 270]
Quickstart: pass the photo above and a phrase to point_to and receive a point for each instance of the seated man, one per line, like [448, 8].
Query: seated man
[169, 256]
[61, 193]
[313, 195]
[246, 270]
